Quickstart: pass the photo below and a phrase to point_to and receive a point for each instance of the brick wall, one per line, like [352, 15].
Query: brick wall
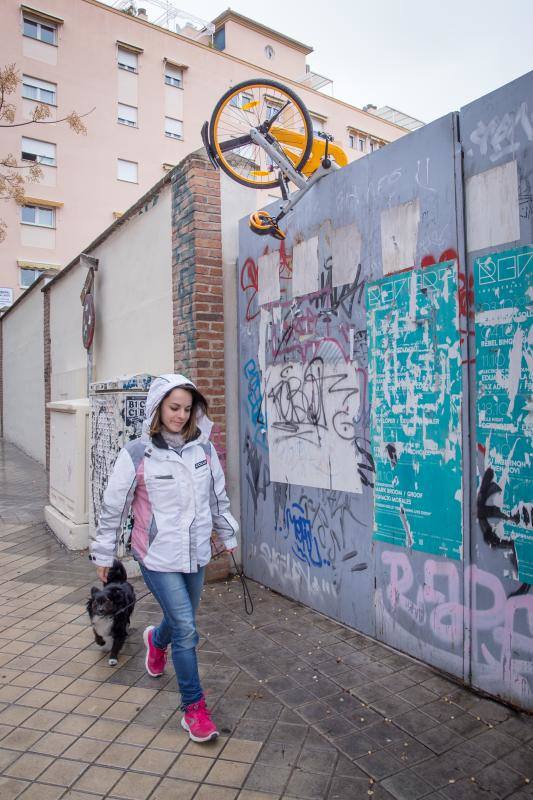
[198, 311]
[47, 376]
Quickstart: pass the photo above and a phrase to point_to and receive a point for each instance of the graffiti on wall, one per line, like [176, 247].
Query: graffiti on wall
[311, 410]
[415, 409]
[503, 286]
[435, 614]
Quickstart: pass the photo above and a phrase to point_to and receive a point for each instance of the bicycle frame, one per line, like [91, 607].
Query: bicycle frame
[288, 172]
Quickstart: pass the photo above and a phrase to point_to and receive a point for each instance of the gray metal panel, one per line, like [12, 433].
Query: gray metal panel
[497, 139]
[421, 167]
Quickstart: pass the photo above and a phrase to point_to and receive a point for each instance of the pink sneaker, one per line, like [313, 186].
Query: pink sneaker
[197, 720]
[155, 657]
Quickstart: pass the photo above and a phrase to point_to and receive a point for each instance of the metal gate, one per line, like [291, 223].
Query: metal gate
[361, 337]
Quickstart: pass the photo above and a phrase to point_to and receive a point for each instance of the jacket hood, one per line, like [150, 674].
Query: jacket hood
[160, 387]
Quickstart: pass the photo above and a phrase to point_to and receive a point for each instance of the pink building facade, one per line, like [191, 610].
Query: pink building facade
[148, 90]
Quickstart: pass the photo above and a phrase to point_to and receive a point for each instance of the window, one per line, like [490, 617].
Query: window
[173, 76]
[219, 39]
[35, 29]
[362, 145]
[34, 89]
[127, 115]
[173, 128]
[28, 276]
[127, 171]
[352, 140]
[317, 123]
[127, 60]
[240, 100]
[272, 109]
[39, 152]
[44, 216]
[269, 52]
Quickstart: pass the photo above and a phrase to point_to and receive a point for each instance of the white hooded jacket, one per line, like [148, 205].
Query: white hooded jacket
[177, 498]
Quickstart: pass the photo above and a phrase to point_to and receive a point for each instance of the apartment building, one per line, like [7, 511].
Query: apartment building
[149, 86]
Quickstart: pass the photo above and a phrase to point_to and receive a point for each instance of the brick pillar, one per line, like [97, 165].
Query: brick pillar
[198, 311]
[47, 376]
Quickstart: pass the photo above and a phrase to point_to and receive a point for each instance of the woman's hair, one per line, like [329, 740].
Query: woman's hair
[190, 429]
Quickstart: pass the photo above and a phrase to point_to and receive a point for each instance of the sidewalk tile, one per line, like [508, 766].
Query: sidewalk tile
[228, 773]
[157, 761]
[98, 779]
[193, 768]
[135, 786]
[29, 766]
[63, 772]
[241, 750]
[170, 789]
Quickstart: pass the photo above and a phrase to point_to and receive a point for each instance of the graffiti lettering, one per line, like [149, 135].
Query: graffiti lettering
[255, 402]
[500, 137]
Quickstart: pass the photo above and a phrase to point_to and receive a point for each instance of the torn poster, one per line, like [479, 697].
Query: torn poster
[503, 286]
[311, 412]
[415, 383]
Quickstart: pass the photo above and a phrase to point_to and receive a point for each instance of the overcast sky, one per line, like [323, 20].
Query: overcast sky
[423, 57]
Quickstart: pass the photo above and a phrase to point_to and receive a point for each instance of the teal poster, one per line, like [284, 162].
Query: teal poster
[503, 290]
[415, 380]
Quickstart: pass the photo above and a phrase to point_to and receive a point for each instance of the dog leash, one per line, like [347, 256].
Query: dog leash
[247, 597]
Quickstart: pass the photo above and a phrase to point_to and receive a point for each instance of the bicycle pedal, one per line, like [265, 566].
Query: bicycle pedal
[264, 225]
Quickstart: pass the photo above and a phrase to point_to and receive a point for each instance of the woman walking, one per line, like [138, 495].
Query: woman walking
[172, 480]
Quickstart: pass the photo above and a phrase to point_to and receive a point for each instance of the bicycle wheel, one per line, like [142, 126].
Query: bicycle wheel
[270, 107]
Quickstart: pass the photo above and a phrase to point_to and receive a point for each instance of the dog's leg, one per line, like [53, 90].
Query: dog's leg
[98, 639]
[115, 650]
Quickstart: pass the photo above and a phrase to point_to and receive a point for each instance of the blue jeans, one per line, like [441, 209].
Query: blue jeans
[178, 594]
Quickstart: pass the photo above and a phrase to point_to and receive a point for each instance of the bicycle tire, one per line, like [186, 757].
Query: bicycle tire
[298, 159]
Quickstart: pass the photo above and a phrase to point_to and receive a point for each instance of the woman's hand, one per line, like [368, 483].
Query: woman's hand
[102, 573]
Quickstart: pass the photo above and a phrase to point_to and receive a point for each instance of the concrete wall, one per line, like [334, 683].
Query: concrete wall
[23, 384]
[364, 338]
[133, 295]
[68, 379]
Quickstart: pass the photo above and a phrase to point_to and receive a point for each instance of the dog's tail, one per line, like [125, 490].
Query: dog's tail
[117, 573]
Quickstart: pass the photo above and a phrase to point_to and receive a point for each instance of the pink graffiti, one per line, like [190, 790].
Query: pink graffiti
[449, 618]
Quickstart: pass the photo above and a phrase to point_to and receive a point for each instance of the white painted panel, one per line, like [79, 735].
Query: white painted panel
[35, 236]
[69, 357]
[133, 295]
[305, 267]
[345, 253]
[127, 87]
[492, 212]
[399, 235]
[268, 278]
[310, 413]
[23, 375]
[173, 102]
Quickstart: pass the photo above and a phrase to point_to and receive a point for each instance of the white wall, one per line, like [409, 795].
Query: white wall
[23, 375]
[133, 295]
[69, 357]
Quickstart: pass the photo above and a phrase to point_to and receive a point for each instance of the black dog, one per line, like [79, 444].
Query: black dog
[110, 610]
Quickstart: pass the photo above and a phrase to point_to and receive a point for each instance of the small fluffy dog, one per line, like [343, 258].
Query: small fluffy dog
[110, 610]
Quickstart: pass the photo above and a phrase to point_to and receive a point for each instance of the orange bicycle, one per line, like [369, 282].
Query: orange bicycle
[261, 135]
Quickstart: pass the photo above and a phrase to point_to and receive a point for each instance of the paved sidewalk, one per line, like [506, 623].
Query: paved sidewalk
[307, 708]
